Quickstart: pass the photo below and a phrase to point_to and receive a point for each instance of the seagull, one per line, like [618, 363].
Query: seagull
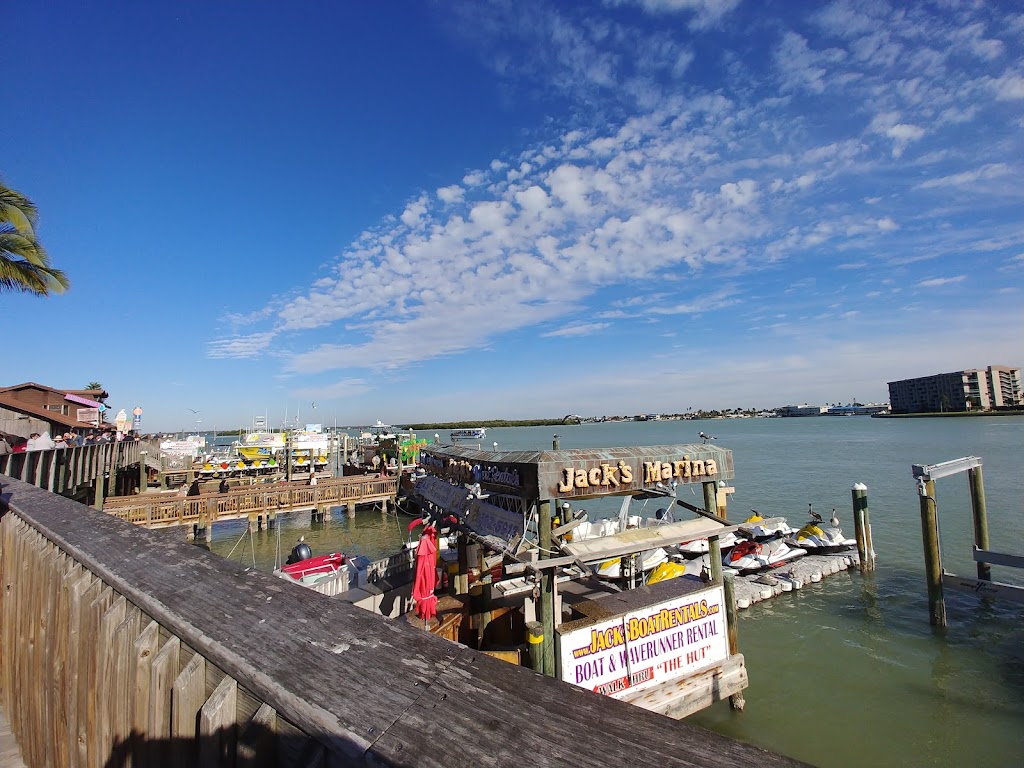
[706, 437]
[814, 515]
[834, 521]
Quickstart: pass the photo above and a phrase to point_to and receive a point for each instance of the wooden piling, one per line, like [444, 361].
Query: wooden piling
[535, 636]
[462, 577]
[932, 554]
[350, 509]
[547, 586]
[714, 546]
[143, 472]
[980, 516]
[555, 443]
[732, 620]
[862, 528]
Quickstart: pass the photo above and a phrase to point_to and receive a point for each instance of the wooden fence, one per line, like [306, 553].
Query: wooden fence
[65, 470]
[123, 646]
[163, 510]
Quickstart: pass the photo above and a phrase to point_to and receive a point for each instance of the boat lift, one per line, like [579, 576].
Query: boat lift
[937, 577]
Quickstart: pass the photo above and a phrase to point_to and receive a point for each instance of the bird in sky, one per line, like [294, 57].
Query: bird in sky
[814, 515]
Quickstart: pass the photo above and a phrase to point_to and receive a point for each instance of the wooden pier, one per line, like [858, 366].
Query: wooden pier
[121, 646]
[259, 503]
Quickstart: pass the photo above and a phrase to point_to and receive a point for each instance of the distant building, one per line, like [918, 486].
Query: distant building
[973, 389]
[857, 409]
[30, 407]
[801, 410]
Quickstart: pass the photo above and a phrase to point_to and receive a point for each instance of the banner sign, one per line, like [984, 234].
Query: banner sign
[647, 647]
[450, 498]
[489, 520]
[88, 416]
[85, 401]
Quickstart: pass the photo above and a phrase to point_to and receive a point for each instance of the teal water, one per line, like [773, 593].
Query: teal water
[847, 672]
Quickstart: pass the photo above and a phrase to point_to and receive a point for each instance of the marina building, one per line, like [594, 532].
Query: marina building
[801, 410]
[973, 389]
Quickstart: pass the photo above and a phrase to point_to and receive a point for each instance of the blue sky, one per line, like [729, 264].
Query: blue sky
[457, 210]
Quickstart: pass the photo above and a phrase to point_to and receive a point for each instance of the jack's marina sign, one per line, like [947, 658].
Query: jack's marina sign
[579, 473]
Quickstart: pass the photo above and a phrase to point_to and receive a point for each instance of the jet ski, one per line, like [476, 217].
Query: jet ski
[646, 561]
[818, 540]
[753, 556]
[700, 546]
[763, 528]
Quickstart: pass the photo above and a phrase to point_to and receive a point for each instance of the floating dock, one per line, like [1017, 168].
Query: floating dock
[809, 569]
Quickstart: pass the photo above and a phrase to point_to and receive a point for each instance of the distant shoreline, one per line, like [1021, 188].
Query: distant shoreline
[947, 414]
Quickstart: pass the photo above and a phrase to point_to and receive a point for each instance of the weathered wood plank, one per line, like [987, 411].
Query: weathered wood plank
[218, 729]
[93, 669]
[144, 651]
[187, 699]
[257, 744]
[81, 592]
[106, 672]
[162, 675]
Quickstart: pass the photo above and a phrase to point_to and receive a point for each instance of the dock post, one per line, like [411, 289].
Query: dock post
[547, 587]
[732, 620]
[271, 520]
[714, 547]
[535, 636]
[554, 443]
[932, 554]
[143, 472]
[980, 514]
[209, 530]
[862, 527]
[350, 509]
[462, 577]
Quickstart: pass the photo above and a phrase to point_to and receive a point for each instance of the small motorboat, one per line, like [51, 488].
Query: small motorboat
[753, 556]
[314, 569]
[760, 528]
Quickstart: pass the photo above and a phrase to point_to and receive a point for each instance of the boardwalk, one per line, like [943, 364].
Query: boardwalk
[255, 502]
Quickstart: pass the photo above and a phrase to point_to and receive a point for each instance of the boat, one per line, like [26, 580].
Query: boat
[646, 561]
[469, 433]
[753, 556]
[262, 445]
[700, 546]
[818, 538]
[315, 569]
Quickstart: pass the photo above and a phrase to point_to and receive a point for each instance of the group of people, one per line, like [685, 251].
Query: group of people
[41, 441]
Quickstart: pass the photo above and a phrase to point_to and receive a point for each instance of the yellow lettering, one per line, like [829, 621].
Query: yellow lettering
[626, 471]
[666, 471]
[652, 471]
[608, 475]
[698, 468]
[711, 466]
[565, 484]
[595, 476]
[581, 479]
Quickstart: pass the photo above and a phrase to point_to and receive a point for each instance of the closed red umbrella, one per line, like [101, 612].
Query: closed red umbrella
[426, 575]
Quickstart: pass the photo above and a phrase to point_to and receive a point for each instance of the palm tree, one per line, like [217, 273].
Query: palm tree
[24, 263]
[94, 385]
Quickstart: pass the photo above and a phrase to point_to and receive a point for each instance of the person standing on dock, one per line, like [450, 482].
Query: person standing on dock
[312, 477]
[193, 490]
[225, 486]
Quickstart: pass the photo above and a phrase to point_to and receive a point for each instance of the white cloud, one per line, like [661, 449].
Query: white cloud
[1008, 87]
[451, 194]
[740, 194]
[902, 134]
[240, 347]
[965, 178]
[935, 282]
[706, 13]
[586, 329]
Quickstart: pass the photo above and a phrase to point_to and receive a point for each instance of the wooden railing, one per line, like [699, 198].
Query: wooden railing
[123, 646]
[162, 510]
[64, 470]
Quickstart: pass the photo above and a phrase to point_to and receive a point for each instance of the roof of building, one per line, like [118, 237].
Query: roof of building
[96, 394]
[10, 401]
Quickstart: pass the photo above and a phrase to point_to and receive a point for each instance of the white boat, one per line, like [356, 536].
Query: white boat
[469, 433]
[818, 538]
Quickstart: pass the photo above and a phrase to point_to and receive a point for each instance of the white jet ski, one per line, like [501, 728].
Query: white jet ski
[818, 538]
[646, 561]
[763, 528]
[753, 556]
